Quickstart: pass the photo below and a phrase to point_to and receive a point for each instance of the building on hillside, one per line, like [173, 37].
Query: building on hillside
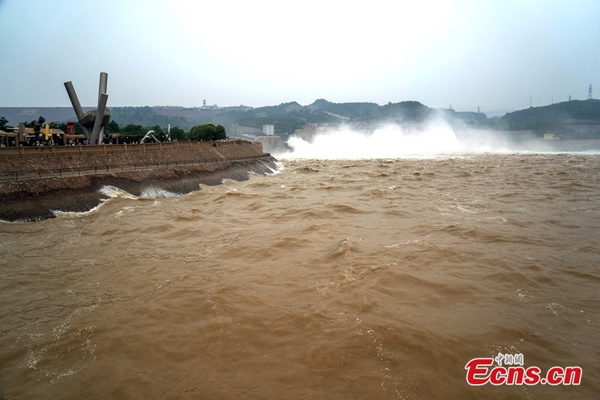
[268, 130]
[208, 107]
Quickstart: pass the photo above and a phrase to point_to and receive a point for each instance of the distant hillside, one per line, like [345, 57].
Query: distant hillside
[152, 116]
[575, 119]
[355, 111]
[406, 111]
[288, 117]
[185, 118]
[14, 115]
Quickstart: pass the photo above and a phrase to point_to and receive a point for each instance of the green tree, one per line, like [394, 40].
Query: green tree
[199, 132]
[77, 127]
[59, 125]
[132, 133]
[177, 133]
[113, 127]
[3, 124]
[207, 132]
[219, 133]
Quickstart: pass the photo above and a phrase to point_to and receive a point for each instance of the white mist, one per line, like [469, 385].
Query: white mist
[389, 141]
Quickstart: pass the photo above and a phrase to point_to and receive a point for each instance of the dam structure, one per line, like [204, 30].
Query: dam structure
[38, 182]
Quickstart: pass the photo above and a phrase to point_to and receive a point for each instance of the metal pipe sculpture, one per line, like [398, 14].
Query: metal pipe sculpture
[93, 122]
[149, 135]
[37, 126]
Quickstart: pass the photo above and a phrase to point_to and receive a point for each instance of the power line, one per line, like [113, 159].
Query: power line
[522, 104]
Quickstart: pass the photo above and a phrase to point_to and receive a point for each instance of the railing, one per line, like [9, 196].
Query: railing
[68, 151]
[79, 171]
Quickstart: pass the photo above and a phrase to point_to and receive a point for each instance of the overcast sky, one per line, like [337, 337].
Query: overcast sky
[492, 54]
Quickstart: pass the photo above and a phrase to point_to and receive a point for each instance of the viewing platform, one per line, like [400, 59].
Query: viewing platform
[82, 150]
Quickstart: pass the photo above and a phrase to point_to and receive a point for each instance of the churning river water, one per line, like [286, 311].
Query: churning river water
[332, 279]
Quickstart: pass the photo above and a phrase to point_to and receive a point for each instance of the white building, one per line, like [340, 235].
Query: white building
[269, 130]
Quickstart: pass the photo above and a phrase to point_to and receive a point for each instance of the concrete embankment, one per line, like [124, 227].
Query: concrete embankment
[178, 170]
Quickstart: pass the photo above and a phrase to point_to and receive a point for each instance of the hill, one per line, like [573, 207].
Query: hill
[572, 119]
[575, 119]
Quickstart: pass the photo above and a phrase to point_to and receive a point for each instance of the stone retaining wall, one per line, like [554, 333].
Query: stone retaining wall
[182, 153]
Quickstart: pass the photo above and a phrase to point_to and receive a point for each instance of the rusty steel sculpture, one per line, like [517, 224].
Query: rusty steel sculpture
[37, 125]
[93, 122]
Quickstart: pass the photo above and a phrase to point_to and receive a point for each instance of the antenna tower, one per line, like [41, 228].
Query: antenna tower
[590, 93]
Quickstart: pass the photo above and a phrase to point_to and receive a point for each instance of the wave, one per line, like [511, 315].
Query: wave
[58, 213]
[147, 193]
[21, 221]
[158, 193]
[113, 192]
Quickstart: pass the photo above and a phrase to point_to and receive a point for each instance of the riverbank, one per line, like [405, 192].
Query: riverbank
[35, 199]
[39, 199]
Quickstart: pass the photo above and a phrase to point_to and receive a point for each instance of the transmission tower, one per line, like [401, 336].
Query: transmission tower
[590, 93]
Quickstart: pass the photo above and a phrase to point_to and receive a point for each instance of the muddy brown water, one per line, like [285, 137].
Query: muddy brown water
[333, 279]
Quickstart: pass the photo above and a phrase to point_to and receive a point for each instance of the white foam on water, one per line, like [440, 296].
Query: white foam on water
[158, 193]
[59, 213]
[113, 192]
[21, 221]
